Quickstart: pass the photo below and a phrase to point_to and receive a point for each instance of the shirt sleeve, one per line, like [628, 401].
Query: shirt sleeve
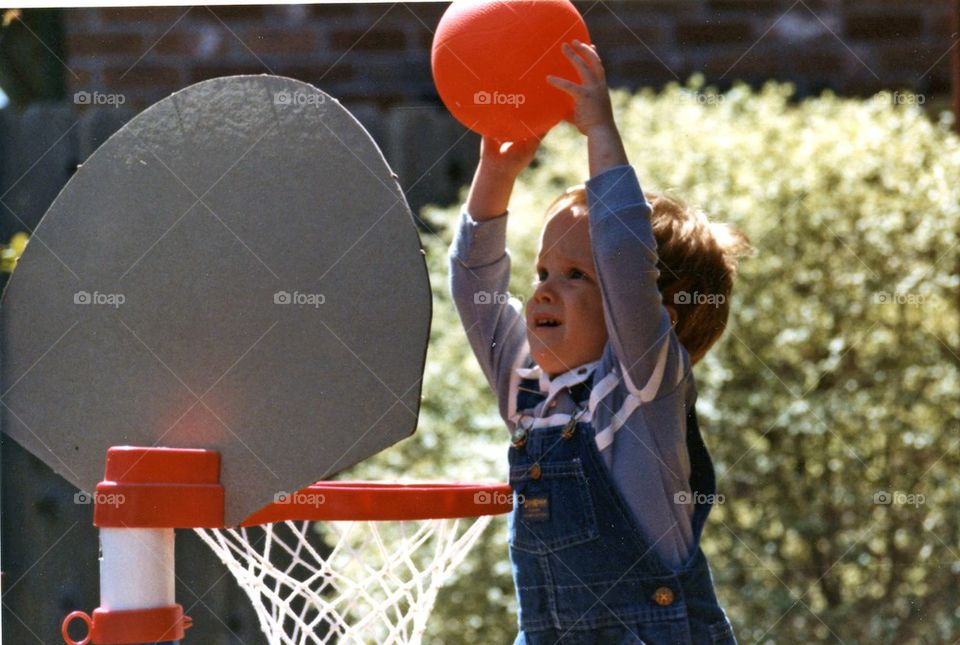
[652, 359]
[479, 277]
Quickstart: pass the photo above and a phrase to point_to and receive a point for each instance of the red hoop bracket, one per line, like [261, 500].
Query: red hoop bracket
[378, 501]
[160, 488]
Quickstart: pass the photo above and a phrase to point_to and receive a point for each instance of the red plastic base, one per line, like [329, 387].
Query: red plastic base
[132, 626]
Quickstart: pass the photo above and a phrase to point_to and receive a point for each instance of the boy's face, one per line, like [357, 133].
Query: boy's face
[565, 325]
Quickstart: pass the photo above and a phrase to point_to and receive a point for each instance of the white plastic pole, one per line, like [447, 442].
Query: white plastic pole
[136, 569]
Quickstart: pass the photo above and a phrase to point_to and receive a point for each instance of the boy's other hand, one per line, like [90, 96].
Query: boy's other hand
[508, 157]
[501, 162]
[591, 97]
[592, 111]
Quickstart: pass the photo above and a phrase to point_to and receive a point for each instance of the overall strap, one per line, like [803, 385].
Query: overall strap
[528, 390]
[580, 393]
[703, 481]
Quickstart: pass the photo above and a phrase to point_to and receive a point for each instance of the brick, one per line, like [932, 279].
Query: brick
[648, 72]
[204, 42]
[586, 7]
[142, 75]
[862, 86]
[229, 14]
[425, 24]
[713, 33]
[374, 40]
[866, 6]
[941, 24]
[80, 19]
[178, 43]
[938, 82]
[767, 6]
[83, 80]
[913, 59]
[755, 66]
[611, 34]
[317, 74]
[362, 12]
[92, 44]
[816, 64]
[112, 16]
[424, 40]
[382, 100]
[873, 26]
[199, 73]
[280, 41]
[424, 15]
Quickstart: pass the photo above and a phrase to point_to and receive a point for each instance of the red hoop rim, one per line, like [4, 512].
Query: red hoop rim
[334, 501]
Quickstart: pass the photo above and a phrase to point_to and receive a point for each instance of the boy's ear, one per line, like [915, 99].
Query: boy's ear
[673, 313]
[669, 297]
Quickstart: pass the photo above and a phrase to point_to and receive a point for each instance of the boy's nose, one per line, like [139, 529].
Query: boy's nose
[543, 293]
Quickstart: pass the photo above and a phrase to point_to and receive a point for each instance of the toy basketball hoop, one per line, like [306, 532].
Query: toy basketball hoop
[253, 224]
[369, 573]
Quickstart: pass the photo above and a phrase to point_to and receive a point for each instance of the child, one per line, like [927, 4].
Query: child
[612, 481]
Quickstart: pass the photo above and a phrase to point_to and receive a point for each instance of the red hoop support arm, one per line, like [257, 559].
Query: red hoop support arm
[161, 489]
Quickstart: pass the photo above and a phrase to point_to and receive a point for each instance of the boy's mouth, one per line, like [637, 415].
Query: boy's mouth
[546, 321]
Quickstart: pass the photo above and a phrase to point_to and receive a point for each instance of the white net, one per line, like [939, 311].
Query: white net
[344, 582]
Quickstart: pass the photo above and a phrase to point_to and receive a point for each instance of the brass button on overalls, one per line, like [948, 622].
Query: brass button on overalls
[535, 471]
[663, 596]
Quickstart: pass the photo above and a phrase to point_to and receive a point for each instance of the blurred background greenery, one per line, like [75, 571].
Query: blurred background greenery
[830, 406]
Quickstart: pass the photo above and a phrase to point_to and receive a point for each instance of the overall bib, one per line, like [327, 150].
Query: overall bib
[584, 571]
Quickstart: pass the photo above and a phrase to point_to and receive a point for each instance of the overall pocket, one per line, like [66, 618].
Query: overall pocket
[552, 508]
[721, 633]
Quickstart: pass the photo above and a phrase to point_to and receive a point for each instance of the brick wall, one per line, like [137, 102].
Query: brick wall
[379, 54]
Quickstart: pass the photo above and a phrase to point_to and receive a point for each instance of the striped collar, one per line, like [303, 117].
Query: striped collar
[552, 386]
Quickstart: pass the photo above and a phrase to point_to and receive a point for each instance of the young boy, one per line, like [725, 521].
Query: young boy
[611, 478]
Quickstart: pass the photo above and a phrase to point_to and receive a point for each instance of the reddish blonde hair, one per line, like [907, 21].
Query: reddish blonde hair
[695, 256]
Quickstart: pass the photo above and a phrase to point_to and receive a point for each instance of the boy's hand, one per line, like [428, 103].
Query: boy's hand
[591, 98]
[509, 158]
[500, 165]
[592, 112]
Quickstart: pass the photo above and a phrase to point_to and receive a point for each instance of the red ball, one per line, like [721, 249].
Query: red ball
[490, 61]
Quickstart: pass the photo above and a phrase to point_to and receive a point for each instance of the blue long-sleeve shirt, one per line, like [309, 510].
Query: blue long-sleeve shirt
[642, 383]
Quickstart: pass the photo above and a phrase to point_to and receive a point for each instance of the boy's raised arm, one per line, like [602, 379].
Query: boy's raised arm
[624, 247]
[480, 265]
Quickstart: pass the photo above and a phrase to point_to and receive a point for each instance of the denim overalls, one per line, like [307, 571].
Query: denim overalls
[583, 569]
